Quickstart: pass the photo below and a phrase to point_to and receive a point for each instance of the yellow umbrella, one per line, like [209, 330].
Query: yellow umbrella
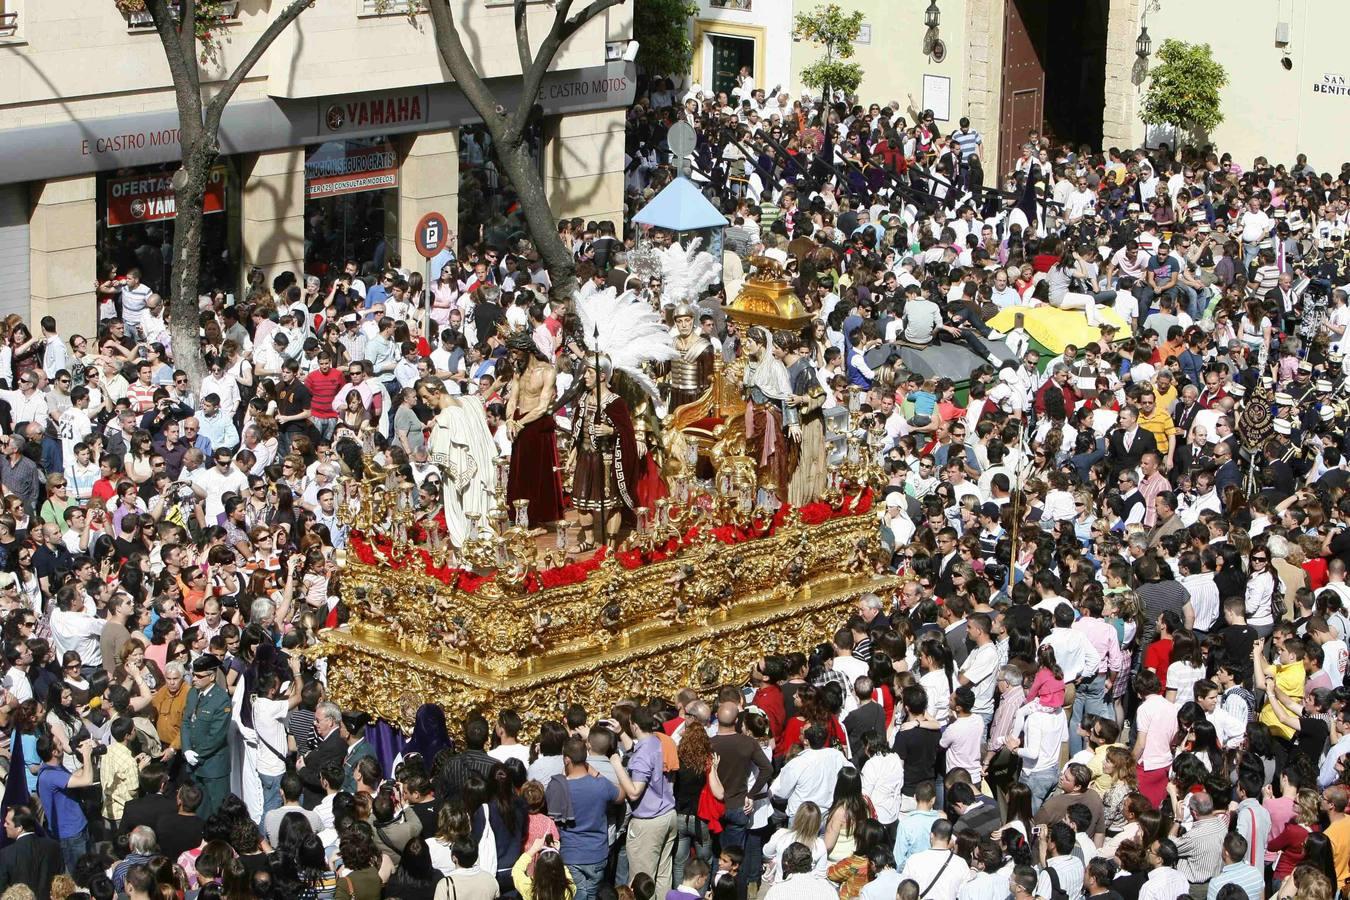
[1056, 328]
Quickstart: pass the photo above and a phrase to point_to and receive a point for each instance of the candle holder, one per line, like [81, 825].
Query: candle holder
[522, 513]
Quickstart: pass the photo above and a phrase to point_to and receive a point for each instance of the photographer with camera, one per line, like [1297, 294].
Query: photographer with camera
[56, 789]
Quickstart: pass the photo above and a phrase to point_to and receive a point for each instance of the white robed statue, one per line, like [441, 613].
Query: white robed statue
[462, 447]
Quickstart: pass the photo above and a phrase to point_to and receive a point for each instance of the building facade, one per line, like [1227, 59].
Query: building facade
[1066, 68]
[347, 131]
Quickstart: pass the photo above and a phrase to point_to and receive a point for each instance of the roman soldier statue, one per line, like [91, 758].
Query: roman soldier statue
[692, 370]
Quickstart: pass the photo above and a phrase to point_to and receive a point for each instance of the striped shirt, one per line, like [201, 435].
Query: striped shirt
[1239, 702]
[1069, 874]
[968, 141]
[1201, 848]
[1249, 878]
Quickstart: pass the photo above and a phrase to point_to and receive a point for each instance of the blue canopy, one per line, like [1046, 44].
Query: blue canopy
[681, 207]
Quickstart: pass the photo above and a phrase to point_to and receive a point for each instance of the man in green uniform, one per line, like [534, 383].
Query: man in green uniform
[205, 735]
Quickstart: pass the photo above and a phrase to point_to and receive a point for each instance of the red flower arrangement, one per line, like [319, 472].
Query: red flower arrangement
[379, 549]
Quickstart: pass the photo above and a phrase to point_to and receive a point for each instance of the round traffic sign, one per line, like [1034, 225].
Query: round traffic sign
[431, 234]
[681, 139]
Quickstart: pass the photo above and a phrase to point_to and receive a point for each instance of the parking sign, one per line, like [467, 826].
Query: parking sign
[432, 233]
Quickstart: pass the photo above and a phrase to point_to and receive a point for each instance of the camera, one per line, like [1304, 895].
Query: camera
[83, 735]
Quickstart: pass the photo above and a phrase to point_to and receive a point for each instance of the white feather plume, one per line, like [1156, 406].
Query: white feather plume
[628, 331]
[687, 273]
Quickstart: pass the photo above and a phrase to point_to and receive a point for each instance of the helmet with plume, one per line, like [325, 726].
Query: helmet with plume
[627, 332]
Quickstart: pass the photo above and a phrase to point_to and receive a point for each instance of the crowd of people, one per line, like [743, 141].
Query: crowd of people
[1115, 669]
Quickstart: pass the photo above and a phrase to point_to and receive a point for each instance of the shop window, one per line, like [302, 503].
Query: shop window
[136, 225]
[351, 205]
[489, 210]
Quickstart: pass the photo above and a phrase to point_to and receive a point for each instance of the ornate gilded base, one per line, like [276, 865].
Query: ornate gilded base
[368, 670]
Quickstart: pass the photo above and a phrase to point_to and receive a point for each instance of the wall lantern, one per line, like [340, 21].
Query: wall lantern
[1143, 46]
[932, 16]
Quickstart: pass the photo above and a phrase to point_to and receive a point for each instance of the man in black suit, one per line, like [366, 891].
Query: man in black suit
[331, 748]
[1226, 469]
[1224, 434]
[618, 275]
[948, 557]
[1128, 442]
[151, 802]
[180, 829]
[30, 859]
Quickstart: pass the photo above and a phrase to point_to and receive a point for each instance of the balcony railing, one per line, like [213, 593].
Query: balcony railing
[9, 24]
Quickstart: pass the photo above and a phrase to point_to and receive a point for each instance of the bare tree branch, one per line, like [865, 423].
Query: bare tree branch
[461, 67]
[522, 35]
[187, 36]
[577, 22]
[182, 61]
[532, 73]
[216, 107]
[563, 28]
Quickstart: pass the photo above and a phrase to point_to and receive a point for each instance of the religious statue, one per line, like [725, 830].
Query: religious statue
[692, 370]
[632, 337]
[771, 437]
[604, 457]
[529, 423]
[805, 409]
[462, 447]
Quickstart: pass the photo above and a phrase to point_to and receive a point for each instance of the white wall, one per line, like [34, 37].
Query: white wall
[1269, 111]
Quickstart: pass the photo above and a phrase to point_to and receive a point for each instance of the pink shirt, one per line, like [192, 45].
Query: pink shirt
[1102, 636]
[1047, 688]
[1281, 810]
[1151, 487]
[1157, 720]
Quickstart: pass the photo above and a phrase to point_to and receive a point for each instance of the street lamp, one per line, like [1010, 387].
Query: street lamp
[1143, 46]
[932, 16]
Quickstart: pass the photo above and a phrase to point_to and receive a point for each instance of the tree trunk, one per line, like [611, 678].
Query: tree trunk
[189, 195]
[521, 169]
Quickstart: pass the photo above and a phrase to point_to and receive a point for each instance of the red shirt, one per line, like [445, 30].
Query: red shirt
[323, 389]
[770, 699]
[103, 490]
[792, 734]
[1158, 657]
[1317, 573]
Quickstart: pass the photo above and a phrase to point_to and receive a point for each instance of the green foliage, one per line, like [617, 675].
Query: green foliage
[1184, 88]
[831, 74]
[835, 30]
[661, 28]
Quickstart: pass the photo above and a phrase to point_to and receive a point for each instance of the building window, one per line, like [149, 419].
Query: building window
[9, 19]
[136, 222]
[489, 212]
[731, 4]
[351, 204]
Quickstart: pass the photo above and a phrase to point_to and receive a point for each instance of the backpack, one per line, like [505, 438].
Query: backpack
[1056, 892]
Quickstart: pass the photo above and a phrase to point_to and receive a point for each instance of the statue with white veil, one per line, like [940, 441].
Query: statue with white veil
[462, 447]
[772, 427]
